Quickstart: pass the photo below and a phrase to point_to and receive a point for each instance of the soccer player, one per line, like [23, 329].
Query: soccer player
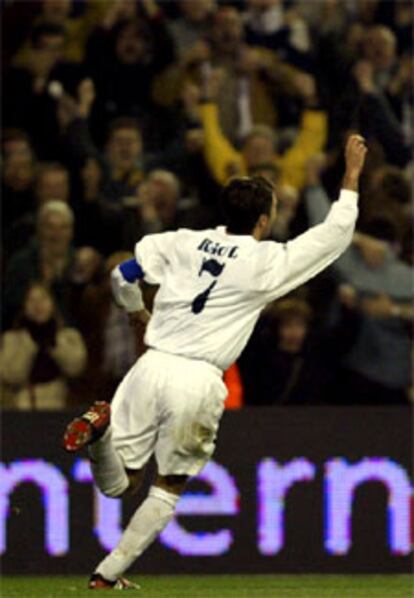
[213, 284]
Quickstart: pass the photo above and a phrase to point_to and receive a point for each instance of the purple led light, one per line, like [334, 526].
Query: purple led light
[342, 479]
[107, 511]
[54, 489]
[274, 482]
[223, 500]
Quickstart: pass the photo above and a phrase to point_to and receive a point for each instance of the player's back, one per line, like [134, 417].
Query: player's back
[213, 285]
[209, 300]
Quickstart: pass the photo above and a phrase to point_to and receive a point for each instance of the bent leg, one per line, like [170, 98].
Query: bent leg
[108, 470]
[148, 521]
[122, 452]
[107, 467]
[172, 483]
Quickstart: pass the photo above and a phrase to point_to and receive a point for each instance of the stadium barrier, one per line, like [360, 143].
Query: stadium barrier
[313, 489]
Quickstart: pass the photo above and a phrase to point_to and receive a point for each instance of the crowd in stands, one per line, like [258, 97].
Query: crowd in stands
[125, 117]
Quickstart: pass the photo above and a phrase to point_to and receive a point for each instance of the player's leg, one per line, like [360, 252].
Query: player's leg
[92, 430]
[147, 522]
[109, 472]
[191, 405]
[120, 437]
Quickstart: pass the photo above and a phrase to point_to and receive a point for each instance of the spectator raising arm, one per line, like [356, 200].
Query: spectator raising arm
[311, 138]
[378, 118]
[220, 155]
[224, 160]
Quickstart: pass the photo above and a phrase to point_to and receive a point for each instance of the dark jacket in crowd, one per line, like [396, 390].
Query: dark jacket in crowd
[272, 376]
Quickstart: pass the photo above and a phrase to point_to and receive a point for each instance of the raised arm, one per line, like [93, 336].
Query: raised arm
[355, 152]
[312, 252]
[311, 138]
[221, 157]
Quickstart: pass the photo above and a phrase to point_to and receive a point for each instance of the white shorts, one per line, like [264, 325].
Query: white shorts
[168, 406]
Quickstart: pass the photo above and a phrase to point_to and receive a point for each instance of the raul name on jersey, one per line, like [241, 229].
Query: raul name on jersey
[214, 248]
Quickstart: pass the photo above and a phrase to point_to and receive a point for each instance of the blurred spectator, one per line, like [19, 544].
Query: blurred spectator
[389, 192]
[252, 80]
[401, 95]
[399, 16]
[124, 156]
[55, 11]
[157, 208]
[28, 103]
[52, 183]
[286, 362]
[39, 355]
[379, 49]
[183, 152]
[253, 77]
[98, 223]
[326, 16]
[270, 25]
[112, 343]
[17, 19]
[86, 267]
[193, 24]
[259, 146]
[378, 368]
[48, 258]
[17, 176]
[379, 121]
[77, 30]
[122, 162]
[123, 50]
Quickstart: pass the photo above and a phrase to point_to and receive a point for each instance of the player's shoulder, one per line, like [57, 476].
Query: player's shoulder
[265, 257]
[267, 249]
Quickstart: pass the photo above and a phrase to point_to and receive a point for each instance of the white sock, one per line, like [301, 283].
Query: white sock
[107, 467]
[147, 522]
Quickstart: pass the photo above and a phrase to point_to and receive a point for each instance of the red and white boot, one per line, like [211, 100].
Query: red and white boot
[87, 428]
[97, 582]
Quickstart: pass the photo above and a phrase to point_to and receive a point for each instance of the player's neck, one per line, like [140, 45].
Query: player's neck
[258, 233]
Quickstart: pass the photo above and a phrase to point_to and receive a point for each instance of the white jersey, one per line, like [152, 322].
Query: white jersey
[213, 285]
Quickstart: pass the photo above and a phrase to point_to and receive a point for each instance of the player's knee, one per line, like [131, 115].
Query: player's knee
[135, 478]
[127, 487]
[114, 491]
[172, 483]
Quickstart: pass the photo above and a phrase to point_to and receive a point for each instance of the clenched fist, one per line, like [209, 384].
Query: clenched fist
[355, 152]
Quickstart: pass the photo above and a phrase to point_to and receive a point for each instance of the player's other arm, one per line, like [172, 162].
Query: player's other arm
[312, 252]
[151, 259]
[126, 291]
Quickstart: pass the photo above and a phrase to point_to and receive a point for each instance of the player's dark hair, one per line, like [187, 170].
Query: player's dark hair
[243, 201]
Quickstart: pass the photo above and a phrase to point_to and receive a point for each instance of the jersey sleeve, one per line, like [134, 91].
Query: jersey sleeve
[125, 291]
[285, 267]
[152, 254]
